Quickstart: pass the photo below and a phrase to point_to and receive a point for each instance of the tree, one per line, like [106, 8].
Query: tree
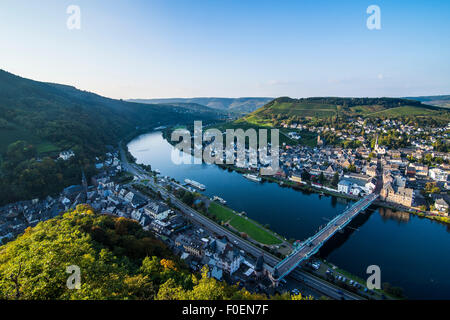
[351, 168]
[305, 175]
[431, 187]
[188, 198]
[335, 180]
[321, 178]
[125, 262]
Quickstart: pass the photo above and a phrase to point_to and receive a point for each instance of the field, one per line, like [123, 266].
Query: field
[46, 148]
[401, 112]
[10, 135]
[241, 224]
[264, 115]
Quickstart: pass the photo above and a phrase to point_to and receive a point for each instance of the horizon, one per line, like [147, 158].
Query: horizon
[224, 97]
[160, 49]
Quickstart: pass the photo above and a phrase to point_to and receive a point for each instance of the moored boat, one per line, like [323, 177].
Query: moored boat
[195, 184]
[252, 177]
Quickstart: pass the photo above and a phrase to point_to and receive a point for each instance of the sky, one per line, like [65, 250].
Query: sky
[230, 48]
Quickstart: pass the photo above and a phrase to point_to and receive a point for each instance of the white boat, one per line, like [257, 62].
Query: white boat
[216, 198]
[252, 177]
[195, 184]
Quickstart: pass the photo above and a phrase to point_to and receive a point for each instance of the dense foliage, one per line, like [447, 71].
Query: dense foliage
[117, 260]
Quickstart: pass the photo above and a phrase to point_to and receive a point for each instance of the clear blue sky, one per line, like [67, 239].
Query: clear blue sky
[231, 48]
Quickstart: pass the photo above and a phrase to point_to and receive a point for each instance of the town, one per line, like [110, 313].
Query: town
[195, 245]
[414, 176]
[124, 190]
[413, 179]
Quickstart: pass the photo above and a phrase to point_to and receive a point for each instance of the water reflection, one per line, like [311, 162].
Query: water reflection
[398, 216]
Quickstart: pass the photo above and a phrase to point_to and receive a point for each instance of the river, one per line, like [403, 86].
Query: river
[412, 252]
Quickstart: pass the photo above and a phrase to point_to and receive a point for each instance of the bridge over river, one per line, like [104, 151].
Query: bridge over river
[312, 245]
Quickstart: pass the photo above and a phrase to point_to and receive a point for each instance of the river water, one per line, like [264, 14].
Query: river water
[412, 252]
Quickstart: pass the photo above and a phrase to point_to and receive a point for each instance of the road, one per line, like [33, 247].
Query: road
[315, 283]
[313, 244]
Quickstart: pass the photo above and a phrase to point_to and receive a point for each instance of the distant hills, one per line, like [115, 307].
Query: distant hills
[237, 105]
[440, 101]
[328, 108]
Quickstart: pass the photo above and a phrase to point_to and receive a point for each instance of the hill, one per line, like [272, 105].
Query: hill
[51, 112]
[328, 109]
[439, 101]
[117, 260]
[237, 105]
[37, 120]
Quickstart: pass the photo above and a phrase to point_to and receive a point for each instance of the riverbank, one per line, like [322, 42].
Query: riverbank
[320, 190]
[310, 187]
[244, 225]
[414, 211]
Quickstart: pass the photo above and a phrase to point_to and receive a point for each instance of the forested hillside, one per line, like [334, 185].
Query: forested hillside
[116, 257]
[37, 120]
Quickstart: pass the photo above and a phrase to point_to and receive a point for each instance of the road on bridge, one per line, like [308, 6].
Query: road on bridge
[312, 245]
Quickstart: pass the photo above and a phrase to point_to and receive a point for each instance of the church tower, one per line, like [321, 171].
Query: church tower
[84, 182]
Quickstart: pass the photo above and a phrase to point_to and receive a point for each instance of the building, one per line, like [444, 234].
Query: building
[371, 171]
[421, 170]
[371, 185]
[378, 149]
[438, 174]
[259, 267]
[396, 194]
[190, 245]
[442, 206]
[355, 186]
[410, 171]
[157, 210]
[296, 178]
[344, 186]
[66, 155]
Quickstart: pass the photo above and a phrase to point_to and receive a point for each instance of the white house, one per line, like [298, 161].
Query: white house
[438, 174]
[66, 155]
[129, 196]
[344, 186]
[353, 186]
[370, 185]
[442, 206]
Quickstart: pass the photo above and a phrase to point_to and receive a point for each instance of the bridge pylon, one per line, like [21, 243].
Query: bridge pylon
[274, 276]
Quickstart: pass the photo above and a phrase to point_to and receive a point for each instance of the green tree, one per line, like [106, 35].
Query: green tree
[188, 198]
[335, 180]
